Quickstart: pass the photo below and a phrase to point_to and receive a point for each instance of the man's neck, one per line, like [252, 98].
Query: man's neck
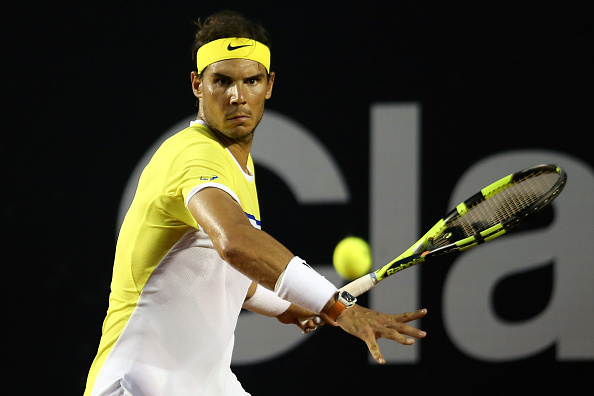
[239, 148]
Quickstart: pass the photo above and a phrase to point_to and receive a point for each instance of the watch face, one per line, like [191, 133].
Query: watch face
[348, 297]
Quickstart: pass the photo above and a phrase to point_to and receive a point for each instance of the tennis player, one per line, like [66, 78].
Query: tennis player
[191, 252]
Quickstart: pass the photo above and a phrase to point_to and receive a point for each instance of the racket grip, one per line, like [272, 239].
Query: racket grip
[361, 285]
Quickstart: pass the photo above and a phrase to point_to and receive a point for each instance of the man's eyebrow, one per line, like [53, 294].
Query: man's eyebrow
[220, 75]
[256, 76]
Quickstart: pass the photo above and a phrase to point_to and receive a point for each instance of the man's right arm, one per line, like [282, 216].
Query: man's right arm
[263, 259]
[252, 252]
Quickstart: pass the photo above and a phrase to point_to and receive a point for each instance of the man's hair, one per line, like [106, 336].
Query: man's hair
[225, 24]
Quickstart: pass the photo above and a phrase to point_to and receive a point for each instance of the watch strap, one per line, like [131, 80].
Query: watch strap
[336, 309]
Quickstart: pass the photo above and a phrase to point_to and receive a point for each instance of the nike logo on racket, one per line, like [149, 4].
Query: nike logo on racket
[232, 48]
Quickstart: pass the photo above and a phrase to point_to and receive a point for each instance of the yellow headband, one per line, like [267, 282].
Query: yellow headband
[232, 48]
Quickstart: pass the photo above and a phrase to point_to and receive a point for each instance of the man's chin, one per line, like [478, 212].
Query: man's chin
[239, 132]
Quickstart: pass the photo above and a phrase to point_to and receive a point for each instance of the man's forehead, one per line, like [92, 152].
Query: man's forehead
[236, 67]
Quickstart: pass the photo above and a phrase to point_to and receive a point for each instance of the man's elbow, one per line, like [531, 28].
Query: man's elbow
[233, 249]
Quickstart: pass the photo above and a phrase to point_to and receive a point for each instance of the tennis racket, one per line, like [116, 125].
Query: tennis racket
[486, 215]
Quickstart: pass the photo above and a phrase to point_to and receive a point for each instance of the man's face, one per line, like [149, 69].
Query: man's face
[231, 96]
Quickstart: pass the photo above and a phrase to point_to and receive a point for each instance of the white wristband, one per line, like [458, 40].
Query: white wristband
[303, 286]
[266, 302]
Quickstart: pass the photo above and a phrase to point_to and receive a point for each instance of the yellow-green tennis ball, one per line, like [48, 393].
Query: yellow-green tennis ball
[352, 258]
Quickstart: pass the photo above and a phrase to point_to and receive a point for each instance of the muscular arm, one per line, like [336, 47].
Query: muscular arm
[251, 251]
[262, 258]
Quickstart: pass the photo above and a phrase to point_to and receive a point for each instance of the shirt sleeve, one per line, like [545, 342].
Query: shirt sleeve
[205, 165]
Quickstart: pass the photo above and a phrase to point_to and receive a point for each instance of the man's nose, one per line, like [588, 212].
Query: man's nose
[237, 94]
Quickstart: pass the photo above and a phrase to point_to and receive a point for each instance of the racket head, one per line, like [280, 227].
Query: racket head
[497, 208]
[484, 216]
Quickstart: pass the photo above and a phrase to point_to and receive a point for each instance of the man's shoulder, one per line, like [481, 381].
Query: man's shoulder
[196, 132]
[195, 137]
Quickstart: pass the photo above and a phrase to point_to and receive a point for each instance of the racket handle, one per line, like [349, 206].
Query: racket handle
[361, 285]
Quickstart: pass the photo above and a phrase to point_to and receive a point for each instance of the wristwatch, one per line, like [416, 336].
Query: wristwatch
[344, 300]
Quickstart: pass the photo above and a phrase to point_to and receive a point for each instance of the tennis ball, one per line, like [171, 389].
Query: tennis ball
[352, 258]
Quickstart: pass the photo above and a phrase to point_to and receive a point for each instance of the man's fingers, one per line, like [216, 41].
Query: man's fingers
[400, 332]
[410, 316]
[375, 351]
[310, 324]
[398, 337]
[407, 330]
[369, 326]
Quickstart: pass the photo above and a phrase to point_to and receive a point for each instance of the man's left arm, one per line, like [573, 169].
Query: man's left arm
[265, 302]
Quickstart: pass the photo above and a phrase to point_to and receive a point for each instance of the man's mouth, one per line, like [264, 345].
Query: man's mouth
[239, 117]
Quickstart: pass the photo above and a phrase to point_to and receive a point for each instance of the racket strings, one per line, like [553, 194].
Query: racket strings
[500, 207]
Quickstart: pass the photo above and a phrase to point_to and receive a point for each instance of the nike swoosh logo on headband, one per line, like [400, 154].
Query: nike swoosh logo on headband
[232, 48]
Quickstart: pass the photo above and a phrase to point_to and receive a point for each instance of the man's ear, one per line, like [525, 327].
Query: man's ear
[270, 84]
[196, 84]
